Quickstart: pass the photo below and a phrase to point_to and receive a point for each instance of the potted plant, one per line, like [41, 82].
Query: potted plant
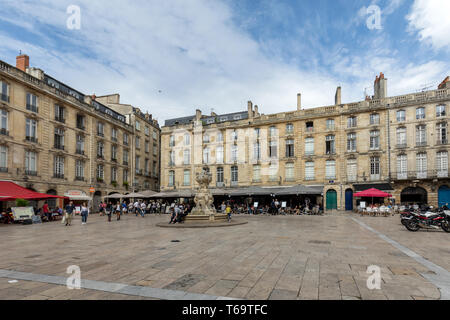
[125, 184]
[21, 203]
[100, 180]
[114, 184]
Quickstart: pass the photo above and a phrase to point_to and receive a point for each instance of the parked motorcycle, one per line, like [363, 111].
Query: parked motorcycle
[414, 221]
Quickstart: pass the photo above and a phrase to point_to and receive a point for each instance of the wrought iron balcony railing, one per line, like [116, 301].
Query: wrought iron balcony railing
[420, 175]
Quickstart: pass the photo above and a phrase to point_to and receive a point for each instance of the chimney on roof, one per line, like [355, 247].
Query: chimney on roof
[250, 109]
[198, 114]
[445, 84]
[22, 62]
[337, 97]
[299, 101]
[380, 87]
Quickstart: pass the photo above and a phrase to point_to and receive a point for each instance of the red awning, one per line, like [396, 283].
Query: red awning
[9, 191]
[372, 193]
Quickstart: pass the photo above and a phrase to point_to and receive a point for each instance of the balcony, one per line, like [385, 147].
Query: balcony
[100, 156]
[234, 183]
[81, 126]
[30, 173]
[31, 139]
[414, 175]
[139, 172]
[421, 144]
[4, 132]
[100, 134]
[403, 145]
[309, 129]
[114, 160]
[32, 108]
[114, 139]
[309, 153]
[171, 163]
[441, 142]
[220, 184]
[3, 170]
[79, 179]
[58, 176]
[125, 163]
[310, 178]
[125, 143]
[4, 97]
[80, 152]
[60, 119]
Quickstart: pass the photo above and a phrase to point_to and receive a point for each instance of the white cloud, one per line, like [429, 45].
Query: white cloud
[430, 19]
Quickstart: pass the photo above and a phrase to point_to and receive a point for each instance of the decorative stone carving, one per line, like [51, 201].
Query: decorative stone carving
[203, 199]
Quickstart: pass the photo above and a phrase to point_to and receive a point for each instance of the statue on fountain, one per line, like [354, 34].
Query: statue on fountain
[203, 199]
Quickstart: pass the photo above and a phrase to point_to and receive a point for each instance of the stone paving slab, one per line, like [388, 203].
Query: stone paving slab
[270, 257]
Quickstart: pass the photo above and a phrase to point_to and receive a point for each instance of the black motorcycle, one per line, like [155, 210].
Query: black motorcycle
[414, 221]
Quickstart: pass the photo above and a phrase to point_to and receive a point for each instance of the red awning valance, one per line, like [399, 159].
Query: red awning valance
[9, 191]
[372, 193]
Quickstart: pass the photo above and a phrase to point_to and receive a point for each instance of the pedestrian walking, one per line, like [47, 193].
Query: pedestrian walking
[109, 209]
[137, 208]
[118, 211]
[228, 211]
[84, 213]
[69, 213]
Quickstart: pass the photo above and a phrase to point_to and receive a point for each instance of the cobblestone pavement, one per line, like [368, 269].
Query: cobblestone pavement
[282, 257]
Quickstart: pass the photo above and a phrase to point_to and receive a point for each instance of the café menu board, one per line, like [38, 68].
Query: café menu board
[23, 213]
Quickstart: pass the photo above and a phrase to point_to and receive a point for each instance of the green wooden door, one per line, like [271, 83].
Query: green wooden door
[331, 199]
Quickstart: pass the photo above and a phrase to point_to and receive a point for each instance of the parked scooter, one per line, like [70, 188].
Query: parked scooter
[414, 221]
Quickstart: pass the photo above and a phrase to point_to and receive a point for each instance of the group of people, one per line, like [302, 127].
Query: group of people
[275, 208]
[178, 212]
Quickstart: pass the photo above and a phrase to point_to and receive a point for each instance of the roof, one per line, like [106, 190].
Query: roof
[235, 116]
[10, 191]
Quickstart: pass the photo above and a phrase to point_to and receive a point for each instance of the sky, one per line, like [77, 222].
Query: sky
[174, 56]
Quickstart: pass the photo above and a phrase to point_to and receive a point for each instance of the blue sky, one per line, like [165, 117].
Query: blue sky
[171, 57]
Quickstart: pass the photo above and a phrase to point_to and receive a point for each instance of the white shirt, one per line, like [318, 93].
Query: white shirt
[136, 204]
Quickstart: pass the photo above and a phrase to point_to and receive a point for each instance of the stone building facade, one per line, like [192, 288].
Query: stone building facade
[343, 148]
[56, 140]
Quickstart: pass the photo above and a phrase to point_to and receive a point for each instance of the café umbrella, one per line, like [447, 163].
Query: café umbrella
[372, 193]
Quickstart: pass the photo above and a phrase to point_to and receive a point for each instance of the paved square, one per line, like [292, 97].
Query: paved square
[283, 257]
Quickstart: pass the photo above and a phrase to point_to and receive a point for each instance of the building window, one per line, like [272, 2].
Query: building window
[155, 149]
[4, 122]
[30, 163]
[234, 174]
[220, 136]
[155, 136]
[220, 175]
[401, 116]
[113, 174]
[330, 124]
[351, 142]
[147, 146]
[32, 102]
[147, 167]
[100, 172]
[375, 119]
[114, 153]
[402, 166]
[234, 153]
[4, 91]
[59, 167]
[187, 139]
[171, 178]
[171, 158]
[257, 151]
[289, 171]
[257, 132]
[273, 172]
[375, 168]
[420, 113]
[442, 133]
[147, 131]
[257, 173]
[138, 164]
[309, 171]
[206, 138]
[125, 176]
[59, 138]
[187, 157]
[272, 131]
[440, 111]
[289, 129]
[100, 149]
[81, 122]
[421, 135]
[421, 165]
[125, 139]
[401, 137]
[125, 157]
[113, 134]
[138, 142]
[442, 164]
[374, 140]
[289, 148]
[206, 156]
[330, 169]
[60, 113]
[79, 170]
[309, 146]
[351, 122]
[234, 135]
[352, 170]
[187, 178]
[172, 141]
[3, 158]
[100, 129]
[219, 154]
[310, 127]
[80, 144]
[330, 144]
[138, 126]
[31, 130]
[155, 171]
